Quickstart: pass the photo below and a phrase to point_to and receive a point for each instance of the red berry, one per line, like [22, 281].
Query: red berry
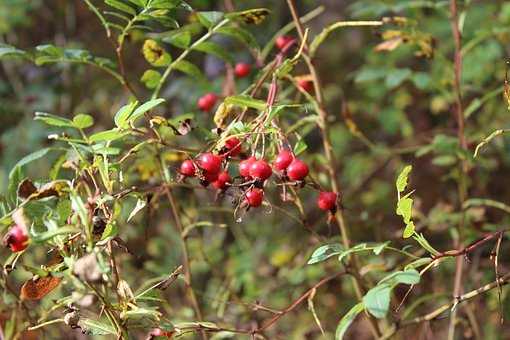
[282, 41]
[209, 162]
[327, 200]
[283, 159]
[260, 170]
[242, 70]
[188, 168]
[16, 238]
[210, 177]
[223, 179]
[297, 170]
[244, 166]
[254, 197]
[305, 85]
[207, 101]
[233, 145]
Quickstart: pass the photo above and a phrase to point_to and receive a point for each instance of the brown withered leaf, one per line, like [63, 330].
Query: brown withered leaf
[389, 45]
[37, 288]
[184, 127]
[26, 188]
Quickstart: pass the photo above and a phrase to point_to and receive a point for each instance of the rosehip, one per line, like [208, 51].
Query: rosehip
[260, 170]
[209, 162]
[207, 101]
[223, 179]
[297, 170]
[242, 70]
[210, 177]
[233, 145]
[254, 197]
[188, 168]
[244, 166]
[327, 200]
[282, 41]
[16, 238]
[305, 85]
[283, 159]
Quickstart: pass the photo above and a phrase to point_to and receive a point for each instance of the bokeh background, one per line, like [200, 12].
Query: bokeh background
[399, 96]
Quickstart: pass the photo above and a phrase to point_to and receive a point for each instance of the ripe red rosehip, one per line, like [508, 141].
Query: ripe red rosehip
[305, 85]
[254, 197]
[244, 166]
[223, 179]
[16, 239]
[282, 41]
[260, 170]
[297, 170]
[233, 145]
[209, 162]
[207, 101]
[283, 159]
[242, 70]
[188, 168]
[210, 177]
[327, 200]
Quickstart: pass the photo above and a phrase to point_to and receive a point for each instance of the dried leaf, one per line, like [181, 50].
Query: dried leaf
[37, 288]
[389, 45]
[26, 188]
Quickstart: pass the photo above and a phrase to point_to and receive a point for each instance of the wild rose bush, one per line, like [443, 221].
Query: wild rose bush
[280, 189]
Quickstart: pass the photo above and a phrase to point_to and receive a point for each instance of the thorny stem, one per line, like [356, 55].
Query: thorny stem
[323, 126]
[459, 115]
[186, 257]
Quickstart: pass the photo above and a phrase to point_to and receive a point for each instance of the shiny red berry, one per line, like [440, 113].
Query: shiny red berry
[210, 177]
[209, 162]
[254, 197]
[244, 166]
[283, 159]
[207, 101]
[188, 168]
[282, 41]
[305, 85]
[260, 170]
[327, 200]
[16, 239]
[223, 179]
[233, 145]
[297, 170]
[242, 70]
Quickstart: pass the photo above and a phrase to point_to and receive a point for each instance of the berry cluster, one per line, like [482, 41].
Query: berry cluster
[253, 173]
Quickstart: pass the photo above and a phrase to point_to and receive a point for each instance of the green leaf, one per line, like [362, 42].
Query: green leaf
[300, 147]
[379, 249]
[404, 209]
[95, 327]
[377, 300]
[240, 34]
[144, 108]
[408, 277]
[347, 320]
[246, 101]
[83, 121]
[122, 116]
[151, 79]
[30, 158]
[190, 69]
[397, 77]
[140, 204]
[355, 249]
[409, 230]
[53, 120]
[12, 52]
[209, 19]
[47, 235]
[214, 49]
[108, 135]
[181, 39]
[325, 252]
[402, 178]
[121, 6]
[111, 230]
